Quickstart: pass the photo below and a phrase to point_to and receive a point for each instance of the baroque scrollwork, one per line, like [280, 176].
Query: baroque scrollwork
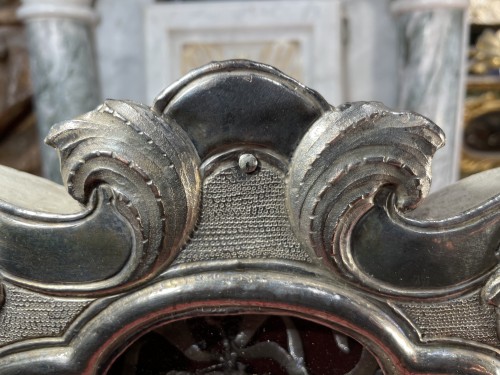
[345, 159]
[142, 166]
[238, 196]
[356, 180]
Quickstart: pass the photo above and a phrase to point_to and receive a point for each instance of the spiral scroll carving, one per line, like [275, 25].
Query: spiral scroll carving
[345, 158]
[151, 168]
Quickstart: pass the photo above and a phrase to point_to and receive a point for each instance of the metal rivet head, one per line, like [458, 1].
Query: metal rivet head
[248, 163]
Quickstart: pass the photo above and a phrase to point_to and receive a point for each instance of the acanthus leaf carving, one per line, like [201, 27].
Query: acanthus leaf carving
[146, 168]
[346, 158]
[399, 273]
[355, 182]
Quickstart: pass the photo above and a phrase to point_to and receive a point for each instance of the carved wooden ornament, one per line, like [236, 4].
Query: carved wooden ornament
[242, 193]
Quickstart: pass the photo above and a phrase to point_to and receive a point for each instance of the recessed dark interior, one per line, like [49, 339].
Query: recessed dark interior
[245, 344]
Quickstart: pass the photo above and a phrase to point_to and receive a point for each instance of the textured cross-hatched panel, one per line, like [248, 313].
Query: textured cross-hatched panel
[244, 216]
[467, 318]
[27, 315]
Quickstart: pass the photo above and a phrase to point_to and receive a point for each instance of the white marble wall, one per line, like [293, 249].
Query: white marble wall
[370, 53]
[121, 49]
[373, 36]
[300, 37]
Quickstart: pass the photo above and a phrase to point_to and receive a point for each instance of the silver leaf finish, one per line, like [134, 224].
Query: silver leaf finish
[239, 198]
[139, 165]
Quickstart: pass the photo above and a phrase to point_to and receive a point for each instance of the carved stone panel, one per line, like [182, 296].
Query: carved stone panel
[288, 35]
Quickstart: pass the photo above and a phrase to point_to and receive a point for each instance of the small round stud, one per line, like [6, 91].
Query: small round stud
[248, 163]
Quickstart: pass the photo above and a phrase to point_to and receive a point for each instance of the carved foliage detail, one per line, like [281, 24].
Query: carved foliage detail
[151, 167]
[348, 156]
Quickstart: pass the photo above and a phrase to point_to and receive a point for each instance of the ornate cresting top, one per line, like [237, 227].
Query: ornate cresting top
[241, 192]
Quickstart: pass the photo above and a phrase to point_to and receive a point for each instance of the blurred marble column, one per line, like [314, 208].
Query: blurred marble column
[432, 65]
[63, 65]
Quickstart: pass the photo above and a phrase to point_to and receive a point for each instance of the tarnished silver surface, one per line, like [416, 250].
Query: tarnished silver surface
[242, 193]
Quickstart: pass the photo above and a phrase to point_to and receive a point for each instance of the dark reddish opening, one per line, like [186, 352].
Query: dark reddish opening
[246, 344]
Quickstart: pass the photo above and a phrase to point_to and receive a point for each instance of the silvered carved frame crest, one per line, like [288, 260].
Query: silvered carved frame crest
[240, 191]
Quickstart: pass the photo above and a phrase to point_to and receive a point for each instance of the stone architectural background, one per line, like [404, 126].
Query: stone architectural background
[385, 51]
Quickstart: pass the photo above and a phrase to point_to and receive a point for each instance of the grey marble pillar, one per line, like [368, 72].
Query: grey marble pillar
[63, 66]
[432, 72]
